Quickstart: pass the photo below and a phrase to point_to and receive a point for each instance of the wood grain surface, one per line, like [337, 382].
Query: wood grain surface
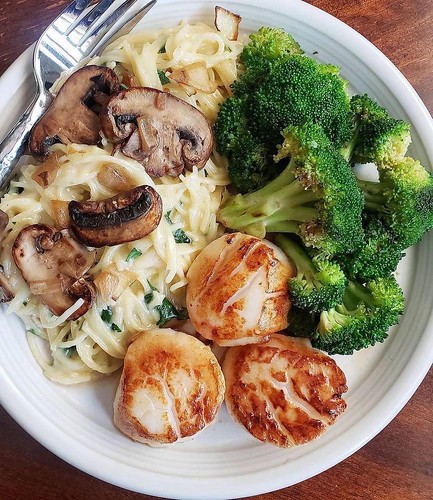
[398, 463]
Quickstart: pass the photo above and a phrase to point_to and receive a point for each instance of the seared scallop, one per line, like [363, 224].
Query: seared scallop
[284, 392]
[238, 290]
[171, 388]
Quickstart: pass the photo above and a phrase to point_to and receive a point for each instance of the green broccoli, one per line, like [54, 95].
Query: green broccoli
[279, 87]
[379, 253]
[301, 323]
[404, 197]
[296, 90]
[362, 319]
[268, 44]
[266, 47]
[249, 166]
[316, 196]
[376, 136]
[319, 283]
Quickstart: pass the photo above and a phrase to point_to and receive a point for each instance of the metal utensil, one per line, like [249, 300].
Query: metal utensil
[78, 32]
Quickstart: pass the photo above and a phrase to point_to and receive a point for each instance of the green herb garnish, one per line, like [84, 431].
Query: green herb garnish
[167, 217]
[181, 237]
[149, 296]
[107, 314]
[133, 254]
[69, 351]
[168, 311]
[162, 77]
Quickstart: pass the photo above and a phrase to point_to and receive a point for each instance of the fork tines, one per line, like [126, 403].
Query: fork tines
[79, 28]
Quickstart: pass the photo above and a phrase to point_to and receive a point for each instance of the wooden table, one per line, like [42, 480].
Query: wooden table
[398, 463]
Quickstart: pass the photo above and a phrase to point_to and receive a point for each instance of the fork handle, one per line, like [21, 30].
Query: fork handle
[13, 145]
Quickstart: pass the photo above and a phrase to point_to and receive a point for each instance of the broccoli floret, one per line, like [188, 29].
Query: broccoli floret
[250, 165]
[316, 196]
[404, 197]
[280, 87]
[376, 136]
[379, 253]
[296, 90]
[362, 319]
[301, 323]
[231, 125]
[319, 283]
[268, 44]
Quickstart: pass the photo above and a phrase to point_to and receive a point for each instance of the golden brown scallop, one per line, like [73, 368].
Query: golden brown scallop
[284, 392]
[171, 388]
[238, 290]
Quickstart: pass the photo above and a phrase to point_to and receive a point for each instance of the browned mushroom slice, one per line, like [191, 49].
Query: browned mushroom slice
[73, 115]
[4, 221]
[6, 292]
[125, 217]
[159, 130]
[53, 264]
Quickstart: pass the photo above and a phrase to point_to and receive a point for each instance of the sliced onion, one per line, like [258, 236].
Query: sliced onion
[60, 213]
[115, 179]
[227, 22]
[46, 173]
[111, 283]
[195, 75]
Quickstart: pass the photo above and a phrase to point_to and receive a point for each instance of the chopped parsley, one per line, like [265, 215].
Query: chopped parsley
[149, 296]
[167, 311]
[181, 237]
[133, 254]
[167, 217]
[162, 77]
[107, 316]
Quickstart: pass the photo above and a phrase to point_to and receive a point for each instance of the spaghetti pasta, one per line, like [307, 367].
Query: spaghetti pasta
[133, 279]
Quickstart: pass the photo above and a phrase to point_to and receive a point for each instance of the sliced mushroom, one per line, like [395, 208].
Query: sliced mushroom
[6, 292]
[73, 115]
[4, 221]
[159, 130]
[125, 217]
[54, 264]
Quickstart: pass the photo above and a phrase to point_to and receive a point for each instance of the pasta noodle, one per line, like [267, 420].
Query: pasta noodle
[76, 351]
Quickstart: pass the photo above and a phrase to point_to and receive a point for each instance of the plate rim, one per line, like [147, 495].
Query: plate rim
[406, 384]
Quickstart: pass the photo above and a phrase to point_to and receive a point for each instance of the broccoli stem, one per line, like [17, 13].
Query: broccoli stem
[355, 294]
[298, 255]
[373, 194]
[282, 203]
[347, 150]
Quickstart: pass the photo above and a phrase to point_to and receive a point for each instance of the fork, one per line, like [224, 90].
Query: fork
[78, 32]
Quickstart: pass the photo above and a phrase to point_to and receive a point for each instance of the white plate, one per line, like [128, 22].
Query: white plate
[225, 462]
